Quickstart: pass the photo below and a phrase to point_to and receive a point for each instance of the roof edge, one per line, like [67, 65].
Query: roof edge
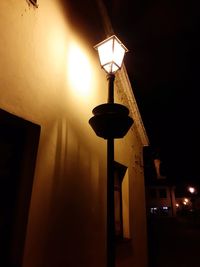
[134, 110]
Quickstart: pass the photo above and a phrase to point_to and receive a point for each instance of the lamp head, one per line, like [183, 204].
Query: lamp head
[191, 189]
[111, 54]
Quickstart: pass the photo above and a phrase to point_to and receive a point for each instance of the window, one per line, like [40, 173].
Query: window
[163, 193]
[154, 210]
[153, 193]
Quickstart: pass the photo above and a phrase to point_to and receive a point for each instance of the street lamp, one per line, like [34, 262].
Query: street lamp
[193, 192]
[111, 121]
[191, 189]
[111, 54]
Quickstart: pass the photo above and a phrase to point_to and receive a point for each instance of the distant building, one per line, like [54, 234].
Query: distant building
[160, 192]
[160, 198]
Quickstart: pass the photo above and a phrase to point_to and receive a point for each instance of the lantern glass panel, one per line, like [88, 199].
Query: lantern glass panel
[111, 54]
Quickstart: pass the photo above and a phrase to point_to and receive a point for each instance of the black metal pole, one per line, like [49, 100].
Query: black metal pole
[110, 205]
[110, 186]
[111, 79]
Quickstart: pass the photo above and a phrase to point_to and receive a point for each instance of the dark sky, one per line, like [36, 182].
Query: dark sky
[163, 65]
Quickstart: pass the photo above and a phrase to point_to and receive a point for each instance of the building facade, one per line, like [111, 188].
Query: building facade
[160, 199]
[53, 166]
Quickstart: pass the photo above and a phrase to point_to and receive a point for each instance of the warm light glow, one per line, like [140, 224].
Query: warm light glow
[111, 54]
[186, 200]
[191, 189]
[177, 205]
[79, 71]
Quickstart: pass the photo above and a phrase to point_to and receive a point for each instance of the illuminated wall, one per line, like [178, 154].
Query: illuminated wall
[50, 75]
[128, 151]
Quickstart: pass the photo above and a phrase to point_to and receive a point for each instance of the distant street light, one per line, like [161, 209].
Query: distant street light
[191, 189]
[111, 121]
[193, 193]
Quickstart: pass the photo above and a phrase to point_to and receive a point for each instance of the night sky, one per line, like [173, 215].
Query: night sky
[163, 66]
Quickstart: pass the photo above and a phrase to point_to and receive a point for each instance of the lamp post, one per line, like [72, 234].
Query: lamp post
[191, 189]
[111, 121]
[193, 193]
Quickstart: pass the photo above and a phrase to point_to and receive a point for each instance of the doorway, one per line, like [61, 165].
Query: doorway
[18, 149]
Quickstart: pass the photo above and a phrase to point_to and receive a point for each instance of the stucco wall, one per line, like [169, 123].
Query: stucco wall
[50, 75]
[129, 151]
[136, 249]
